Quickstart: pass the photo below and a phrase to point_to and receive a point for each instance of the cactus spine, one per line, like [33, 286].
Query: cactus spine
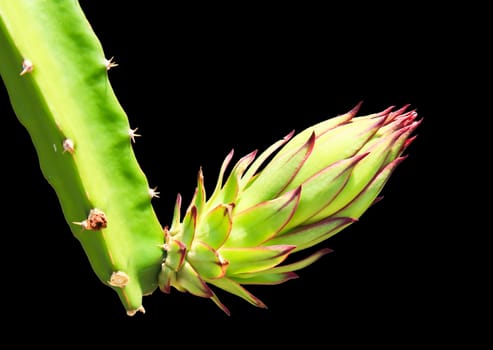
[59, 88]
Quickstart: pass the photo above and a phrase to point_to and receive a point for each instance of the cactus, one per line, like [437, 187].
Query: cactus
[296, 194]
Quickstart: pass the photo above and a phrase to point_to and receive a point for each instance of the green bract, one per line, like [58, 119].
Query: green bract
[318, 183]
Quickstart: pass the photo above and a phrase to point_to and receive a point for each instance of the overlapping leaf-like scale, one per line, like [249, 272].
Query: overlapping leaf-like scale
[340, 143]
[321, 189]
[215, 226]
[190, 280]
[235, 288]
[268, 278]
[206, 260]
[359, 204]
[276, 177]
[306, 236]
[229, 192]
[322, 128]
[255, 259]
[262, 221]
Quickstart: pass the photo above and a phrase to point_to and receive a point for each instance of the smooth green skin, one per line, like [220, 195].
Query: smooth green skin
[68, 95]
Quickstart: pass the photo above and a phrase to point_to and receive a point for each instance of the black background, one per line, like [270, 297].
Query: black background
[199, 81]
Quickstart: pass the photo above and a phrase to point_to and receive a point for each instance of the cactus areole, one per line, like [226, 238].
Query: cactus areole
[295, 194]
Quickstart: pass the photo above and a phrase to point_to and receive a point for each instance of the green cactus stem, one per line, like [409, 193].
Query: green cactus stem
[56, 74]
